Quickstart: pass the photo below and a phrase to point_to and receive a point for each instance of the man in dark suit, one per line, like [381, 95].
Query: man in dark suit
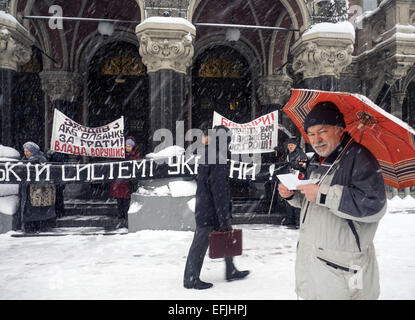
[212, 210]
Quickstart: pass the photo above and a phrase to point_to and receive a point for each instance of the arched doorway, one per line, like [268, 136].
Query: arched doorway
[118, 86]
[222, 83]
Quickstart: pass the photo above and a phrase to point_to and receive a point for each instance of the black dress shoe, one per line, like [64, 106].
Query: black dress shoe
[236, 275]
[198, 284]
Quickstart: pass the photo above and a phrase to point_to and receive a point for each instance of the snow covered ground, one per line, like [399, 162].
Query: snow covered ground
[150, 264]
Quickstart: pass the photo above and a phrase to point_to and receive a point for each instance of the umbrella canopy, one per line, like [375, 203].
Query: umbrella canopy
[390, 140]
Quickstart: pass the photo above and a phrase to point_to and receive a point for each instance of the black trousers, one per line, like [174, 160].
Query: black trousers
[197, 254]
[123, 205]
[59, 204]
[293, 215]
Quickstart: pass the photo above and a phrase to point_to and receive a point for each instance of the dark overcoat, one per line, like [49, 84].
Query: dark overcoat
[213, 197]
[122, 190]
[31, 212]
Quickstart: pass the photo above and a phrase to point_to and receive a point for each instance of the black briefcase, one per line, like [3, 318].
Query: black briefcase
[225, 243]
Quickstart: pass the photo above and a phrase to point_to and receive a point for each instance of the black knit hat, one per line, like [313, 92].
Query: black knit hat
[324, 112]
[291, 141]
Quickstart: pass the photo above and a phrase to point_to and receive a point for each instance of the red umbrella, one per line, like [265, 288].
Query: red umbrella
[391, 140]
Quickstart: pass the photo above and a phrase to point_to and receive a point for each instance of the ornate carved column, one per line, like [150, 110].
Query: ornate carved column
[321, 56]
[273, 92]
[274, 89]
[166, 48]
[15, 50]
[3, 5]
[63, 88]
[395, 74]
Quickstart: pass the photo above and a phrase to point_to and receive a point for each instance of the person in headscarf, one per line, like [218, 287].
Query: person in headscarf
[122, 190]
[37, 200]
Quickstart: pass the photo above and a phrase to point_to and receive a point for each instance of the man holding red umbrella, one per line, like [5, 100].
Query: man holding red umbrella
[339, 215]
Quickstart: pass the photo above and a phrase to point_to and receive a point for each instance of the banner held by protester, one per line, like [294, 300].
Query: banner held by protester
[70, 137]
[257, 136]
[20, 172]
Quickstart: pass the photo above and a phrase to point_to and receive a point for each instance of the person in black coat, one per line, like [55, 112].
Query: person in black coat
[295, 156]
[297, 160]
[59, 157]
[213, 207]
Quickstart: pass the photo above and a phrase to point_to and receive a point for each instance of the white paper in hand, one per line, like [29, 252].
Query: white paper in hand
[291, 181]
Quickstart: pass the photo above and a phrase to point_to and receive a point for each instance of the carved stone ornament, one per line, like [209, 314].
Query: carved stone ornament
[274, 89]
[322, 54]
[60, 85]
[412, 19]
[12, 52]
[396, 69]
[166, 44]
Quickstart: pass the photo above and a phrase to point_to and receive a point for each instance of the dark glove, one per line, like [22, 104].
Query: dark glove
[49, 154]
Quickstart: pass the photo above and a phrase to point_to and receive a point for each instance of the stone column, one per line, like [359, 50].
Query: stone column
[63, 89]
[166, 48]
[15, 50]
[397, 98]
[273, 92]
[398, 93]
[321, 57]
[3, 5]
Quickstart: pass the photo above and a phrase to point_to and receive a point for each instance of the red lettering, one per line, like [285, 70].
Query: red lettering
[57, 146]
[266, 119]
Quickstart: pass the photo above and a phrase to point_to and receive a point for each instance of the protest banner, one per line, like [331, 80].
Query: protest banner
[70, 137]
[23, 172]
[257, 136]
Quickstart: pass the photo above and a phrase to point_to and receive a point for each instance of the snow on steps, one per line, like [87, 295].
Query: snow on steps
[82, 231]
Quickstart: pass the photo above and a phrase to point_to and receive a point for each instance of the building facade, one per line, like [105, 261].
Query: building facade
[160, 64]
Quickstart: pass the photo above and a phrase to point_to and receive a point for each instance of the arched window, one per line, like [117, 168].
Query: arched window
[221, 83]
[124, 65]
[118, 86]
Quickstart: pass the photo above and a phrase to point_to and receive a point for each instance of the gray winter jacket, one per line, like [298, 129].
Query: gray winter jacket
[335, 254]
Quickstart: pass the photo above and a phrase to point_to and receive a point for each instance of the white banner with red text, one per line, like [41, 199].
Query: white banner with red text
[257, 136]
[70, 137]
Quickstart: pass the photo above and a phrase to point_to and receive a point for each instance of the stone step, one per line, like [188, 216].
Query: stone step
[110, 222]
[250, 206]
[103, 214]
[241, 218]
[73, 231]
[96, 221]
[110, 208]
[91, 211]
[78, 207]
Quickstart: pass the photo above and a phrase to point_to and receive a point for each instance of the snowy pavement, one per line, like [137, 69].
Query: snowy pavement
[150, 264]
